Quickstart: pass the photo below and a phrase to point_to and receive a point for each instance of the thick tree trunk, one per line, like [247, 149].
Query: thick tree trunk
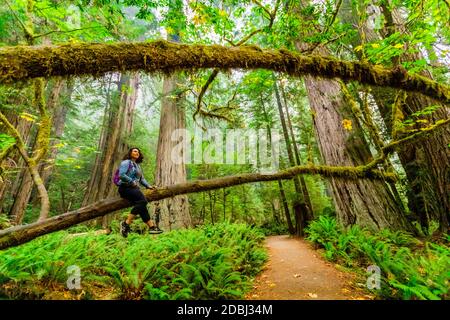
[61, 107]
[92, 191]
[118, 125]
[174, 212]
[427, 165]
[21, 198]
[366, 203]
[23, 185]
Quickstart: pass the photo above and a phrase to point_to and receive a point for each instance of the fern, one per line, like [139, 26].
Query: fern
[408, 271]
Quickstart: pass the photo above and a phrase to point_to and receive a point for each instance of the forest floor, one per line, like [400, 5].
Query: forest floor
[296, 271]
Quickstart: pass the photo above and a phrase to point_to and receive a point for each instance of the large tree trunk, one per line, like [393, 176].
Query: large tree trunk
[427, 165]
[92, 191]
[174, 213]
[61, 107]
[118, 124]
[366, 203]
[21, 198]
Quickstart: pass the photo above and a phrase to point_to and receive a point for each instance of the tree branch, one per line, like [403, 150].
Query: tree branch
[25, 62]
[68, 31]
[32, 167]
[386, 150]
[215, 72]
[21, 234]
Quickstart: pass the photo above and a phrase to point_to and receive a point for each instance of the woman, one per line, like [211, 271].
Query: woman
[130, 175]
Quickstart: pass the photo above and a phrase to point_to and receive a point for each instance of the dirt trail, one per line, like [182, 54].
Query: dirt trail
[295, 271]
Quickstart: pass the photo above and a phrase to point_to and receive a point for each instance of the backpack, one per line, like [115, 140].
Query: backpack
[116, 178]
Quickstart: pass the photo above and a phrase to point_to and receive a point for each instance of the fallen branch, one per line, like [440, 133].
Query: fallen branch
[22, 63]
[21, 234]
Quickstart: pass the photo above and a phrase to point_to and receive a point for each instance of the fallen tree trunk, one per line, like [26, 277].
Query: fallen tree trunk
[21, 234]
[21, 63]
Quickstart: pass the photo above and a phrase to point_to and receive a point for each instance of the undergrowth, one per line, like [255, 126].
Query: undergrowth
[410, 268]
[211, 262]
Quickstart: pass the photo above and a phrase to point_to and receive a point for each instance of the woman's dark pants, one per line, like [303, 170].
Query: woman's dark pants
[137, 199]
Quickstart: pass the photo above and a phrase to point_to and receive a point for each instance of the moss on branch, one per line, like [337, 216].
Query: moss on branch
[25, 62]
[21, 234]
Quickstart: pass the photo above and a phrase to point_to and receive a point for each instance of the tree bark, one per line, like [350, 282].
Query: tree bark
[60, 109]
[23, 185]
[92, 191]
[298, 161]
[117, 125]
[427, 165]
[10, 186]
[287, 214]
[174, 212]
[366, 203]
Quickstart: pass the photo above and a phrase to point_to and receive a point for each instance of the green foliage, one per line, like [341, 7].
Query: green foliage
[4, 222]
[270, 229]
[212, 262]
[5, 141]
[410, 269]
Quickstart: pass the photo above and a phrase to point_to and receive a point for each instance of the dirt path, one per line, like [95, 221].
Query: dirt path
[295, 271]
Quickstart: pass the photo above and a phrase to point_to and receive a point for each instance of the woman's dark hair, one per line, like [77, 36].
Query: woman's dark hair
[128, 155]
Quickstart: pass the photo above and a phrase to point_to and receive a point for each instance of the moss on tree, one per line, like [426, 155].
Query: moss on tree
[25, 62]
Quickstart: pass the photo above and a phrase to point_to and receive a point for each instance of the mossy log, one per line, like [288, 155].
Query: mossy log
[22, 63]
[21, 234]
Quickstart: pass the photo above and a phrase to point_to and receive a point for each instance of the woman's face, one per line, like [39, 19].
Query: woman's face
[135, 154]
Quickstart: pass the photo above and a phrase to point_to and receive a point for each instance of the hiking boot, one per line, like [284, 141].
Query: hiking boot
[155, 230]
[124, 229]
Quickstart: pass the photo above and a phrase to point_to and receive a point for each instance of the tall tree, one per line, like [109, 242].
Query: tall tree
[304, 209]
[9, 185]
[24, 182]
[341, 142]
[172, 213]
[427, 165]
[117, 124]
